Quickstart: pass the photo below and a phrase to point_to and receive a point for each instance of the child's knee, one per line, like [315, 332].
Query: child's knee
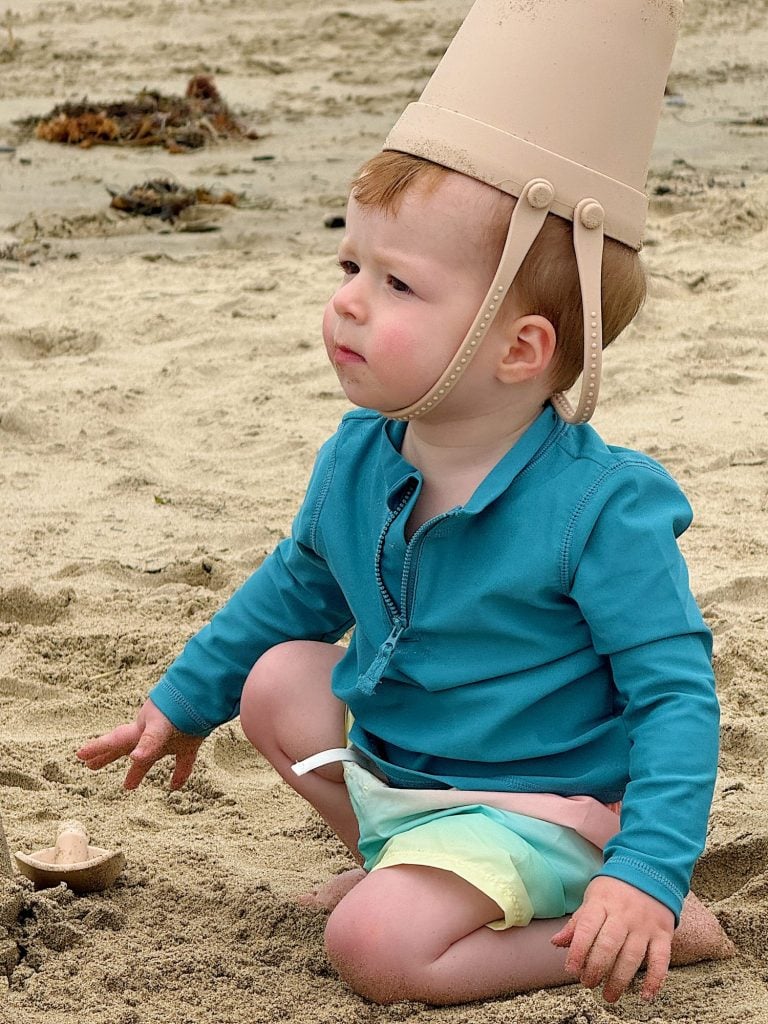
[287, 708]
[354, 954]
[365, 958]
[262, 693]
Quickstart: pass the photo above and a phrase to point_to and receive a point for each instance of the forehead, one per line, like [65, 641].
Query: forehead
[455, 218]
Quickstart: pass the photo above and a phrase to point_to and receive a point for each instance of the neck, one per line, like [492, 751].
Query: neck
[465, 443]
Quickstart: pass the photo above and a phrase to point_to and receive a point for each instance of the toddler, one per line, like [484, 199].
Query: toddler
[522, 625]
[519, 743]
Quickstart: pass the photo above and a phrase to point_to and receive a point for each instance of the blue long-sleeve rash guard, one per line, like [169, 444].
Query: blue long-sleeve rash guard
[540, 638]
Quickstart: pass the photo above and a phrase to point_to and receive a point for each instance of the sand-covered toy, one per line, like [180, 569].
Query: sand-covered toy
[84, 868]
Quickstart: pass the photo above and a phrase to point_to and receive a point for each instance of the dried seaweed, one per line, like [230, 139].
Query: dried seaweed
[178, 123]
[758, 121]
[166, 199]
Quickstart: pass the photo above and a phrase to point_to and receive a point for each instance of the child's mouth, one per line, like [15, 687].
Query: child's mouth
[342, 354]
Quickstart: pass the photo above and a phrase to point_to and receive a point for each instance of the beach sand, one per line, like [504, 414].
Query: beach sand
[164, 393]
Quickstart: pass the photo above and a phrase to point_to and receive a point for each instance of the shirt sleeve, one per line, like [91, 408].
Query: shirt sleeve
[631, 582]
[293, 595]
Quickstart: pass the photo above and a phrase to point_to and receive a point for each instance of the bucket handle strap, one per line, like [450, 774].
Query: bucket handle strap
[588, 220]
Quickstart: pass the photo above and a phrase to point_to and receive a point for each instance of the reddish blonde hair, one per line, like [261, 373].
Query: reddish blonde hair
[547, 283]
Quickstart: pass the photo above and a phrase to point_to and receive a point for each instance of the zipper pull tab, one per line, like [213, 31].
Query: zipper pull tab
[367, 683]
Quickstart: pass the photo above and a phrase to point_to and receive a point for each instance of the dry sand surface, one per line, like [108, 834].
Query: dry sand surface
[164, 392]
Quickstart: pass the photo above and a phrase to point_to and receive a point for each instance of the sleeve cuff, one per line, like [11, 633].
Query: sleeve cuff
[647, 879]
[179, 711]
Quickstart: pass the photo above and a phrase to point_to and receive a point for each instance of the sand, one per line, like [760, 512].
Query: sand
[164, 393]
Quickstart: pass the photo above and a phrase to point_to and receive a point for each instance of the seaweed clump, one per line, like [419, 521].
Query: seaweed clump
[180, 124]
[166, 199]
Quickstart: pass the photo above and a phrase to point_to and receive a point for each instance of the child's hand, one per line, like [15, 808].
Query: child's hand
[145, 741]
[613, 932]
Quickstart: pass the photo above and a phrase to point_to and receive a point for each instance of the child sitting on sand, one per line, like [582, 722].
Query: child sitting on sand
[525, 653]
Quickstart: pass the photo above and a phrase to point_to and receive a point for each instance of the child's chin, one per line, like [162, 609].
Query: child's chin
[357, 395]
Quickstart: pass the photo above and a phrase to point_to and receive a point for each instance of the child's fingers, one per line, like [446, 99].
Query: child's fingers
[604, 954]
[150, 748]
[657, 967]
[152, 745]
[624, 969]
[184, 764]
[587, 928]
[145, 741]
[136, 774]
[94, 763]
[563, 938]
[111, 745]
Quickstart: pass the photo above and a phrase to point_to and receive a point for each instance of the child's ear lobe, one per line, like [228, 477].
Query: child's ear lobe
[529, 349]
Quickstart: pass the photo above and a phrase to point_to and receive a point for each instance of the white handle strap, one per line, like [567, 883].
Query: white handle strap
[325, 757]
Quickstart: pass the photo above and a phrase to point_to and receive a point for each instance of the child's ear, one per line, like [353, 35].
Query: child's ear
[528, 349]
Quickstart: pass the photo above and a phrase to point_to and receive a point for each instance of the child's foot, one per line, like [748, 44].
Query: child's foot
[699, 936]
[327, 895]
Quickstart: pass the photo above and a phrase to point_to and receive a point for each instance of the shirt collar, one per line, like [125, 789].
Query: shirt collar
[544, 430]
[397, 470]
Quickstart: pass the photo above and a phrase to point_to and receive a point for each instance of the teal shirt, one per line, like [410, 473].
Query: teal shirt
[540, 638]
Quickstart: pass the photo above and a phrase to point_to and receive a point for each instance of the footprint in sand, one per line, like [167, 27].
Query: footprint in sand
[202, 572]
[747, 593]
[23, 423]
[725, 870]
[740, 742]
[233, 754]
[205, 573]
[23, 688]
[736, 876]
[48, 342]
[23, 605]
[15, 779]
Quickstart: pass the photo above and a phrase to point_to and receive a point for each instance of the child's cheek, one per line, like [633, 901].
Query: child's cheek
[329, 323]
[404, 353]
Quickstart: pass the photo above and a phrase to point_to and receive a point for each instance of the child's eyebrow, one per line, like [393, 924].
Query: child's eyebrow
[346, 248]
[404, 261]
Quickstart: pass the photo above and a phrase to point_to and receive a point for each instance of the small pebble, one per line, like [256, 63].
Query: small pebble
[335, 220]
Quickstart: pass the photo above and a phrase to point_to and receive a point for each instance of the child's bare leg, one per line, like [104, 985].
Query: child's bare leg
[412, 932]
[288, 712]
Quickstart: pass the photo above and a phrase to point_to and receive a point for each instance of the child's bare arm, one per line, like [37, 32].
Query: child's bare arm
[615, 930]
[145, 740]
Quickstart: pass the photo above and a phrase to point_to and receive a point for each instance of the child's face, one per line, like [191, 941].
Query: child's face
[413, 283]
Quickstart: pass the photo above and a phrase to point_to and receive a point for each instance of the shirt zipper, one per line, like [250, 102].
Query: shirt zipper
[408, 584]
[389, 601]
[368, 682]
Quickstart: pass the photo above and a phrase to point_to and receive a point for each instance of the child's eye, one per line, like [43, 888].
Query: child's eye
[348, 267]
[399, 286]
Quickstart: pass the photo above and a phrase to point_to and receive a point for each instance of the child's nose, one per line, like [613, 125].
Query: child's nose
[349, 300]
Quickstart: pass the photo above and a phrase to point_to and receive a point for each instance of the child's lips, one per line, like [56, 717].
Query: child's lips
[342, 354]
